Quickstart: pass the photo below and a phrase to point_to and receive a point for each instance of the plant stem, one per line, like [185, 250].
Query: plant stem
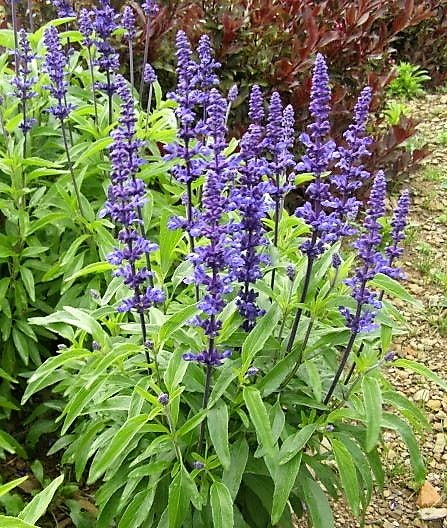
[30, 16]
[148, 108]
[92, 75]
[362, 346]
[145, 56]
[298, 361]
[206, 396]
[296, 322]
[70, 167]
[131, 67]
[109, 95]
[276, 229]
[14, 29]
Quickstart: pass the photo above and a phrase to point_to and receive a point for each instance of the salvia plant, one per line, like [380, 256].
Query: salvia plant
[220, 358]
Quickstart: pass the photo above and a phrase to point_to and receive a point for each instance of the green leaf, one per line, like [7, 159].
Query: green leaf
[96, 267]
[394, 422]
[373, 411]
[348, 474]
[12, 522]
[191, 424]
[394, 288]
[93, 148]
[259, 335]
[317, 504]
[232, 476]
[409, 410]
[175, 371]
[176, 321]
[284, 482]
[295, 443]
[38, 506]
[169, 239]
[83, 446]
[6, 488]
[119, 443]
[75, 407]
[422, 370]
[260, 419]
[28, 280]
[218, 428]
[179, 498]
[221, 506]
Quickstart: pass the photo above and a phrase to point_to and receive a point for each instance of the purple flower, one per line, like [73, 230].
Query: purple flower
[351, 173]
[105, 23]
[233, 92]
[188, 149]
[55, 62]
[371, 262]
[64, 8]
[206, 76]
[126, 196]
[150, 8]
[163, 398]
[24, 82]
[128, 23]
[213, 260]
[316, 160]
[398, 224]
[85, 22]
[149, 74]
[249, 199]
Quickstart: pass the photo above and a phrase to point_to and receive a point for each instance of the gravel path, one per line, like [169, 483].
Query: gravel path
[425, 263]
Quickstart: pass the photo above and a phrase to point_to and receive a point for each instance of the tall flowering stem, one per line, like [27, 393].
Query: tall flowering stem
[128, 22]
[150, 77]
[206, 71]
[85, 21]
[126, 197]
[249, 199]
[23, 83]
[393, 251]
[150, 9]
[350, 173]
[105, 23]
[316, 160]
[212, 261]
[55, 63]
[189, 149]
[279, 142]
[15, 31]
[30, 16]
[371, 263]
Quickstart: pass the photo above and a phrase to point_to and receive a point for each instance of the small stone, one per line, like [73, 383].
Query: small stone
[434, 404]
[428, 496]
[432, 514]
[439, 443]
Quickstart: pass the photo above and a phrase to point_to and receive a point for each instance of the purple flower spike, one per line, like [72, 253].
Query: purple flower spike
[150, 8]
[213, 260]
[351, 173]
[24, 82]
[206, 76]
[371, 262]
[129, 23]
[64, 9]
[233, 92]
[249, 199]
[189, 150]
[55, 63]
[105, 23]
[85, 22]
[126, 196]
[398, 224]
[149, 74]
[316, 160]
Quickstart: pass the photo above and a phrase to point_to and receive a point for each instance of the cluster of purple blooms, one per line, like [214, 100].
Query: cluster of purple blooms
[23, 82]
[55, 63]
[126, 197]
[64, 8]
